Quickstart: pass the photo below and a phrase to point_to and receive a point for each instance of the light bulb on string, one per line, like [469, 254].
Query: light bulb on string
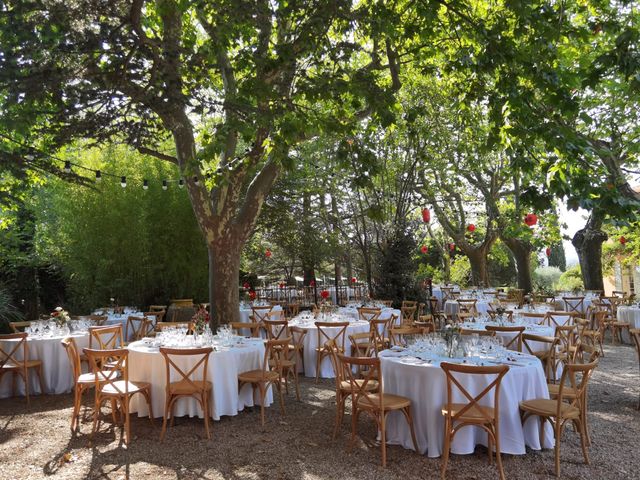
[181, 183]
[164, 185]
[67, 166]
[145, 184]
[123, 181]
[196, 181]
[98, 175]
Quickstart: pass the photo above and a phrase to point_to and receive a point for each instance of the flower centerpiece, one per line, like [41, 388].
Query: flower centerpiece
[451, 335]
[60, 316]
[200, 320]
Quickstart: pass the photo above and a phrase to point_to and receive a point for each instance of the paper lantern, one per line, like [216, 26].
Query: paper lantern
[548, 251]
[471, 227]
[424, 249]
[246, 285]
[267, 253]
[426, 215]
[530, 219]
[452, 247]
[312, 283]
[623, 240]
[324, 294]
[252, 295]
[281, 285]
[353, 279]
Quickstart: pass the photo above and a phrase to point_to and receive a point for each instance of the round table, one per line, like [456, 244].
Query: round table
[57, 373]
[146, 364]
[121, 319]
[425, 384]
[311, 343]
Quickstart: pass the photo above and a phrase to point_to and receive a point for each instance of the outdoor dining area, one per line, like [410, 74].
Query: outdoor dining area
[473, 367]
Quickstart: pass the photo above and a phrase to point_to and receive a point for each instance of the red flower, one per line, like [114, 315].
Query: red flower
[267, 253]
[623, 240]
[548, 251]
[246, 285]
[312, 283]
[324, 294]
[252, 295]
[426, 215]
[471, 227]
[55, 314]
[424, 249]
[281, 285]
[530, 219]
[353, 279]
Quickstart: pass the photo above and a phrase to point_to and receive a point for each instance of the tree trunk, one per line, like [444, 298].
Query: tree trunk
[224, 281]
[588, 244]
[521, 252]
[478, 261]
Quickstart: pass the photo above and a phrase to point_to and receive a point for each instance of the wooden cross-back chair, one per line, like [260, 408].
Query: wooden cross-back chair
[619, 293]
[379, 333]
[397, 335]
[337, 334]
[566, 334]
[568, 406]
[408, 311]
[447, 294]
[574, 305]
[539, 318]
[157, 316]
[276, 329]
[635, 339]
[560, 318]
[472, 413]
[368, 313]
[138, 327]
[373, 401]
[98, 320]
[426, 322]
[10, 362]
[270, 373]
[548, 355]
[191, 382]
[438, 315]
[480, 333]
[514, 343]
[252, 327]
[19, 327]
[467, 305]
[260, 313]
[116, 388]
[106, 337]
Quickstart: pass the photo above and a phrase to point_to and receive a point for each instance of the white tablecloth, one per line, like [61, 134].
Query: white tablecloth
[451, 307]
[311, 343]
[629, 314]
[508, 336]
[57, 373]
[385, 313]
[146, 364]
[425, 385]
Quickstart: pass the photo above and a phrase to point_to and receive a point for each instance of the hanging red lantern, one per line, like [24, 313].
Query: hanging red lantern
[353, 280]
[324, 294]
[623, 240]
[424, 249]
[246, 285]
[252, 295]
[282, 284]
[312, 283]
[548, 251]
[452, 247]
[471, 227]
[426, 215]
[267, 253]
[530, 219]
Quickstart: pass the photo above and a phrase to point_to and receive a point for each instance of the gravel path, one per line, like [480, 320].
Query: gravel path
[36, 442]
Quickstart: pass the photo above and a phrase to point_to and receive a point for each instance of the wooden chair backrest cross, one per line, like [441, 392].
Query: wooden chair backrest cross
[574, 305]
[260, 313]
[9, 357]
[558, 319]
[138, 327]
[368, 313]
[467, 305]
[538, 318]
[276, 329]
[254, 328]
[338, 336]
[514, 343]
[106, 337]
[19, 327]
[397, 335]
[408, 311]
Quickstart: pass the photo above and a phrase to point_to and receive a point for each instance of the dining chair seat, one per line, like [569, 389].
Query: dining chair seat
[256, 375]
[184, 387]
[117, 387]
[474, 414]
[543, 406]
[389, 402]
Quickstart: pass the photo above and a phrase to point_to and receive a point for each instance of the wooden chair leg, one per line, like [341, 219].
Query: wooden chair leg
[340, 404]
[383, 437]
[556, 447]
[163, 432]
[445, 450]
[205, 401]
[318, 363]
[498, 453]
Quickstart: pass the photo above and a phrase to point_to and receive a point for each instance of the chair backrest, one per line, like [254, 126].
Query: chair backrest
[98, 320]
[107, 337]
[433, 305]
[447, 294]
[71, 348]
[157, 308]
[8, 356]
[369, 369]
[293, 309]
[276, 329]
[467, 305]
[426, 322]
[260, 313]
[454, 374]
[539, 318]
[157, 316]
[275, 315]
[566, 334]
[18, 327]
[408, 312]
[619, 294]
[118, 382]
[196, 372]
[560, 319]
[480, 333]
[254, 328]
[465, 317]
[575, 376]
[368, 313]
[337, 333]
[397, 335]
[386, 303]
[137, 327]
[514, 343]
[528, 339]
[574, 305]
[275, 354]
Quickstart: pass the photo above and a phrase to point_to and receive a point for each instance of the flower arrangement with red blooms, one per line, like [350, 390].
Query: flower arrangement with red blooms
[424, 249]
[324, 294]
[548, 251]
[267, 253]
[312, 283]
[252, 295]
[623, 240]
[471, 227]
[60, 316]
[246, 285]
[353, 280]
[200, 320]
[530, 219]
[281, 285]
[426, 215]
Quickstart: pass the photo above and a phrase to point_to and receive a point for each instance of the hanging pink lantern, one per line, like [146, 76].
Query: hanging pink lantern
[426, 215]
[246, 285]
[548, 251]
[623, 240]
[267, 253]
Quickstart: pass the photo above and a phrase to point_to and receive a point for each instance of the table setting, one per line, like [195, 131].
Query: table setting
[414, 371]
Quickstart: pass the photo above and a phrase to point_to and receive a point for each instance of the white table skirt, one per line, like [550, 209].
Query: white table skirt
[146, 364]
[425, 385]
[311, 343]
[508, 336]
[57, 373]
[451, 307]
[629, 314]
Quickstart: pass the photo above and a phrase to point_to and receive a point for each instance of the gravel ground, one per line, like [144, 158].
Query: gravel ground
[36, 442]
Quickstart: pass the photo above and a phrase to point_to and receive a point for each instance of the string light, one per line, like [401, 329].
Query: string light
[181, 183]
[164, 185]
[98, 176]
[123, 182]
[67, 167]
[196, 181]
[145, 184]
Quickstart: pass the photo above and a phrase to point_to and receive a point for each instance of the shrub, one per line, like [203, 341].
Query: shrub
[545, 278]
[570, 280]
